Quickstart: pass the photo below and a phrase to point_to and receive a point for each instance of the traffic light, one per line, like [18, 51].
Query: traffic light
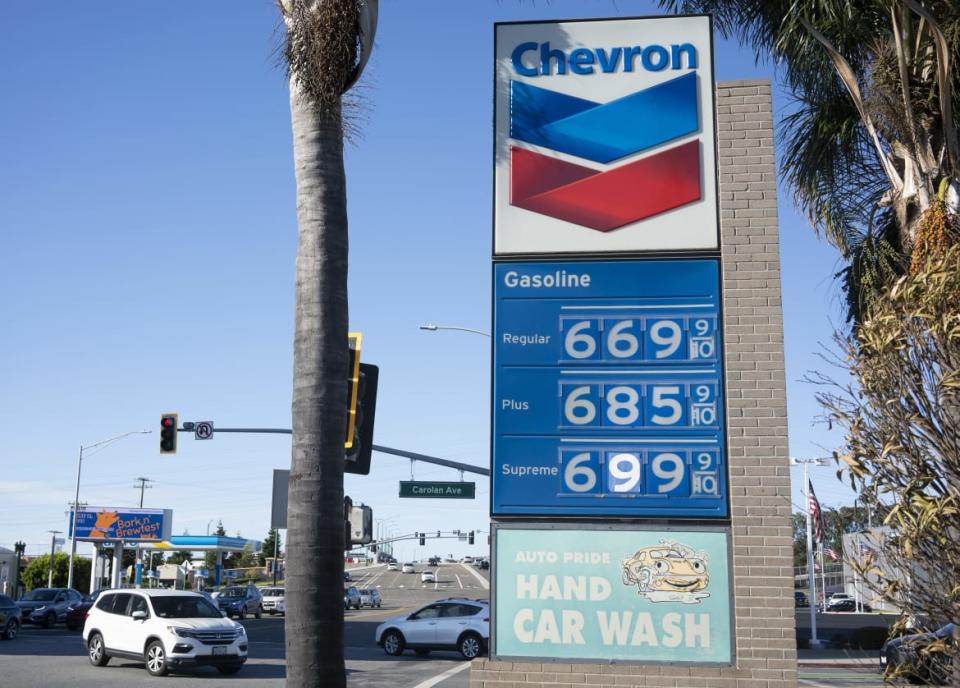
[168, 433]
[347, 511]
[423, 539]
[358, 454]
[354, 340]
[470, 538]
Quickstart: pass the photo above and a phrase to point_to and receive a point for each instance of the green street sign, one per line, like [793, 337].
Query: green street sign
[442, 490]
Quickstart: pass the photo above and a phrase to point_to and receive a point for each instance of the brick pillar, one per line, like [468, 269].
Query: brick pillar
[762, 535]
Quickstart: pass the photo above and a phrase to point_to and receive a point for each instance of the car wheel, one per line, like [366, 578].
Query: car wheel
[48, 620]
[10, 632]
[393, 643]
[470, 645]
[232, 669]
[242, 614]
[155, 659]
[422, 652]
[96, 650]
[259, 613]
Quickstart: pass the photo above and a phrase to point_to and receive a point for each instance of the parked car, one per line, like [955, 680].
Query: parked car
[47, 606]
[351, 598]
[273, 601]
[9, 618]
[77, 612]
[458, 624]
[428, 577]
[370, 597]
[408, 568]
[165, 629]
[800, 599]
[929, 666]
[393, 566]
[240, 601]
[847, 605]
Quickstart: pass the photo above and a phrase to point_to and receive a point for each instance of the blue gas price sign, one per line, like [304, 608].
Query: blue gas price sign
[608, 389]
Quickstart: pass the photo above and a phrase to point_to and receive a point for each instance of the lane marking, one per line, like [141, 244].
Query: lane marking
[483, 581]
[430, 682]
[458, 580]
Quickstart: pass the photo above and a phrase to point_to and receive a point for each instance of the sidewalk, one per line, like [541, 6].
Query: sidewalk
[839, 658]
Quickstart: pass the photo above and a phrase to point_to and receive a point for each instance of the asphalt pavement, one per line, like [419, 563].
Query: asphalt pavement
[46, 658]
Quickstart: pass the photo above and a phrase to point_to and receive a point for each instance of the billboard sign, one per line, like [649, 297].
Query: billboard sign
[608, 389]
[604, 136]
[611, 593]
[119, 523]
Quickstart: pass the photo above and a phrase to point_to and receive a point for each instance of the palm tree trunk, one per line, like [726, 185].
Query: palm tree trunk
[314, 575]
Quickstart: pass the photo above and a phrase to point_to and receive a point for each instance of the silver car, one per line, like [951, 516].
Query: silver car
[351, 598]
[369, 597]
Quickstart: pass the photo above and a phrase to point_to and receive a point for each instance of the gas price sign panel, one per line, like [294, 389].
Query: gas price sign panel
[608, 389]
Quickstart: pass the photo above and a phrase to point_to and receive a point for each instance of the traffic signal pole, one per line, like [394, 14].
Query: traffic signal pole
[426, 458]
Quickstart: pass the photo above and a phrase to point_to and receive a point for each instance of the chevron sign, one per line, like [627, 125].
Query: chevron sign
[604, 137]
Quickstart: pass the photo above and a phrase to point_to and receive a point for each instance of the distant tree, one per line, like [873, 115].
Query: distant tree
[247, 558]
[35, 574]
[179, 557]
[266, 551]
[210, 558]
[836, 523]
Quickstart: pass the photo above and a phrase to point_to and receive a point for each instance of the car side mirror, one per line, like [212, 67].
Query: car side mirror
[139, 615]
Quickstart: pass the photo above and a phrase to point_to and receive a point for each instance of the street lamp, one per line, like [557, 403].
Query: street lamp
[76, 497]
[433, 328]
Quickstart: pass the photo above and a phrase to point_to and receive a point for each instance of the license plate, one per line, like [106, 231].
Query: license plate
[220, 650]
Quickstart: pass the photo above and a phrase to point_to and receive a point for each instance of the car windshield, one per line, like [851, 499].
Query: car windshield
[232, 592]
[184, 607]
[41, 595]
[273, 592]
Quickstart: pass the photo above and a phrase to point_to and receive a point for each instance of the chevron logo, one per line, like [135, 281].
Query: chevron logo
[605, 199]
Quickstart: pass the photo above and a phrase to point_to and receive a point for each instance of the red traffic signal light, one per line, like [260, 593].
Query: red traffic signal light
[168, 433]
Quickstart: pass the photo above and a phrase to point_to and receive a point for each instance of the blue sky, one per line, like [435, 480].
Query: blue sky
[149, 233]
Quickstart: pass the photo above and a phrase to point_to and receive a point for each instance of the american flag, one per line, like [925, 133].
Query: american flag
[813, 506]
[832, 553]
[867, 551]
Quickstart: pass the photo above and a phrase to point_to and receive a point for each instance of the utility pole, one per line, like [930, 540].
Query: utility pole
[811, 577]
[138, 576]
[53, 547]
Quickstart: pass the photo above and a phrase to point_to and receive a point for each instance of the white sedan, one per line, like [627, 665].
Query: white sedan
[393, 566]
[408, 568]
[428, 577]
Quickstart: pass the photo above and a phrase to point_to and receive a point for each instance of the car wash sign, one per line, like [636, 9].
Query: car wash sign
[611, 593]
[604, 137]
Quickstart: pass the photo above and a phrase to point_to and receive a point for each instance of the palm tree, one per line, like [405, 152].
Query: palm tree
[870, 143]
[327, 45]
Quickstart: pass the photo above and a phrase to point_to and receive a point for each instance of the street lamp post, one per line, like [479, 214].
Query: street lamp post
[76, 497]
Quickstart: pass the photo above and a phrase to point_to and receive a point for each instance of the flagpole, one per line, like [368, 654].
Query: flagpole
[811, 577]
[823, 577]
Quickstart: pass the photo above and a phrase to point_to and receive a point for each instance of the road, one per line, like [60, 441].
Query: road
[44, 658]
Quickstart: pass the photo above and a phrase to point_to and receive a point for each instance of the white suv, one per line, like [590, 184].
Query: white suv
[165, 629]
[455, 623]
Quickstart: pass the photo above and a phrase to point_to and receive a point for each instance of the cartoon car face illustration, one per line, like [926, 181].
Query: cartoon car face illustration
[670, 567]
